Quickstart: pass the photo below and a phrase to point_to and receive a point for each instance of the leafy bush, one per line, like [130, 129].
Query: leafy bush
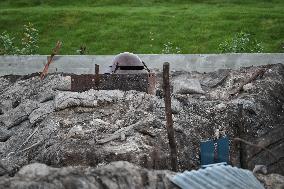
[29, 39]
[29, 42]
[7, 44]
[241, 43]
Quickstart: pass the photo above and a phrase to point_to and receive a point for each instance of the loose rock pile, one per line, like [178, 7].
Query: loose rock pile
[42, 121]
[112, 176]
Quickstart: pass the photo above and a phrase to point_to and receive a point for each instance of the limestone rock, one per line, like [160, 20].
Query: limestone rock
[89, 98]
[248, 105]
[35, 170]
[271, 181]
[116, 175]
[186, 85]
[4, 134]
[18, 114]
[248, 87]
[41, 112]
[221, 107]
[176, 106]
[213, 79]
[260, 169]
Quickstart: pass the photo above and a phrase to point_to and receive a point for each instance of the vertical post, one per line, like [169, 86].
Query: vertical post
[97, 69]
[97, 77]
[169, 119]
[243, 153]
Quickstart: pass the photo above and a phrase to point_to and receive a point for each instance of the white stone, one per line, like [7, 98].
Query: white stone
[186, 85]
[221, 106]
[35, 170]
[248, 87]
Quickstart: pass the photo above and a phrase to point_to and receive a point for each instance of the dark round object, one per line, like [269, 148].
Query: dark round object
[126, 63]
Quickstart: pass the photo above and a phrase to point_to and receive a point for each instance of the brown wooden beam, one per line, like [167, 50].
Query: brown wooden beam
[170, 129]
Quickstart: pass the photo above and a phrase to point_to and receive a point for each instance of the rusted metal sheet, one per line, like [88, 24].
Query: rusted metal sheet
[81, 83]
[217, 176]
[139, 82]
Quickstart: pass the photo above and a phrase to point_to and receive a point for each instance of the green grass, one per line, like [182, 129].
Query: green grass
[113, 26]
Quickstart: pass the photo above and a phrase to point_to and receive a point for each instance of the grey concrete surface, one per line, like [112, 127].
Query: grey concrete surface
[78, 64]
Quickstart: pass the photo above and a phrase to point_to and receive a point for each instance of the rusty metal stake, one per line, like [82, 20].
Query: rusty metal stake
[54, 52]
[170, 129]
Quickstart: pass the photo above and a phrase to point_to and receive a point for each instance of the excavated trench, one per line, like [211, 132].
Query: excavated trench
[43, 121]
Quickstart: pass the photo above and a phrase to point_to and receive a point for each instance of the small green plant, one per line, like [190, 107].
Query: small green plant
[169, 48]
[152, 39]
[241, 43]
[7, 44]
[82, 50]
[29, 42]
[29, 39]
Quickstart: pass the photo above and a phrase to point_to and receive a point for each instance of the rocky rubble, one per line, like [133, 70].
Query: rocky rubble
[43, 121]
[271, 181]
[115, 175]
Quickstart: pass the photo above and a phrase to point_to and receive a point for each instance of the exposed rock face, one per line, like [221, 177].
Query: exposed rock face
[112, 176]
[41, 121]
[271, 181]
[4, 134]
[185, 85]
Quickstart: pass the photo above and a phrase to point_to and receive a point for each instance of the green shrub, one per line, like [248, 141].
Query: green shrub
[29, 39]
[7, 45]
[241, 43]
[29, 42]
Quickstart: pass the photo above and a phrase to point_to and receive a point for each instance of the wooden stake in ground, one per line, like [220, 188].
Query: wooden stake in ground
[97, 77]
[54, 52]
[170, 129]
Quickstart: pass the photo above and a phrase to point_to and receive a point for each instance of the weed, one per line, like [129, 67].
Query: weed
[169, 48]
[29, 42]
[241, 43]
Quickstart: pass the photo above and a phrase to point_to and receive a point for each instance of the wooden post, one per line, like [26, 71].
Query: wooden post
[97, 77]
[97, 69]
[170, 129]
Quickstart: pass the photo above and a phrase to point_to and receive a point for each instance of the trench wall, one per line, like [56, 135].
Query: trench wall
[85, 64]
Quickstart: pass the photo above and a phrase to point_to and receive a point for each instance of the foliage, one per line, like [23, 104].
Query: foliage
[29, 42]
[29, 39]
[241, 43]
[169, 48]
[114, 26]
[7, 45]
[30, 3]
[82, 50]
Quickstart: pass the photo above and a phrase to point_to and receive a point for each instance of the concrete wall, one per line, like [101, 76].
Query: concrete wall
[21, 65]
